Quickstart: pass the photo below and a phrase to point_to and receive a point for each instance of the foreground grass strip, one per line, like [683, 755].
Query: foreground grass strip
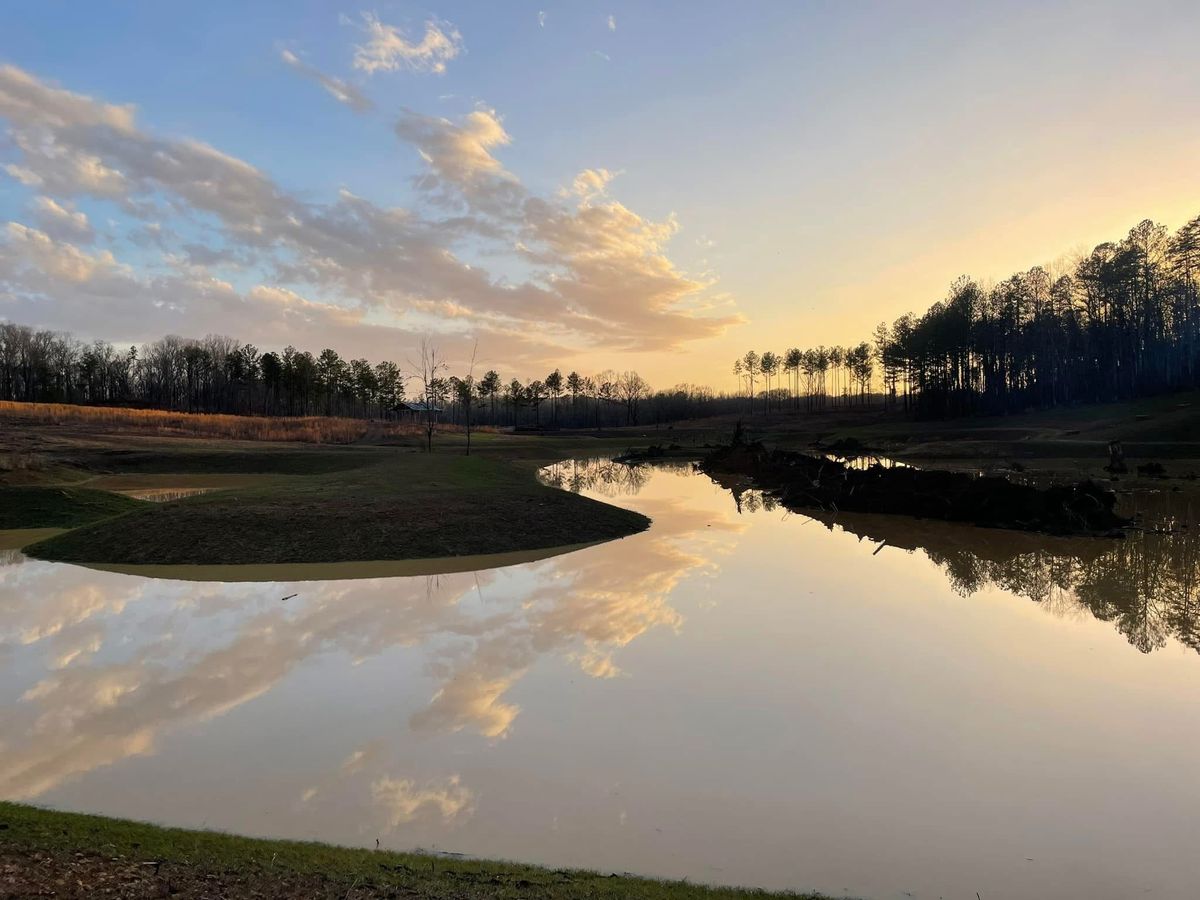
[74, 855]
[59, 507]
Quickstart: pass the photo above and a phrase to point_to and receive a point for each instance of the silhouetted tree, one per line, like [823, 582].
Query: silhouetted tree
[429, 366]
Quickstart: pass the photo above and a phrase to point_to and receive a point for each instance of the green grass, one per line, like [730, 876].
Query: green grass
[45, 847]
[241, 458]
[395, 505]
[59, 507]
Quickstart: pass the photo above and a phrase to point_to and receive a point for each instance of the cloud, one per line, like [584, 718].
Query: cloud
[404, 801]
[605, 599]
[26, 98]
[460, 158]
[395, 800]
[473, 699]
[388, 49]
[63, 222]
[64, 286]
[612, 23]
[608, 263]
[591, 273]
[541, 18]
[22, 246]
[23, 175]
[340, 90]
[591, 183]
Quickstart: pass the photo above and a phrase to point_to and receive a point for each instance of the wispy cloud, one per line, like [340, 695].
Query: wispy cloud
[607, 266]
[596, 273]
[341, 91]
[389, 49]
[612, 23]
[592, 183]
[542, 18]
[404, 801]
[62, 222]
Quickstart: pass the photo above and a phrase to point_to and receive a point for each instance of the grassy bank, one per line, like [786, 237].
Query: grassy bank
[68, 855]
[271, 503]
[59, 507]
[394, 506]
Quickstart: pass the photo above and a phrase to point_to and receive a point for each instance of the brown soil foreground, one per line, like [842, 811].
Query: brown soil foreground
[80, 875]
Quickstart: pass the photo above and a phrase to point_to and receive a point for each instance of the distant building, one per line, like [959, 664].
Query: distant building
[415, 409]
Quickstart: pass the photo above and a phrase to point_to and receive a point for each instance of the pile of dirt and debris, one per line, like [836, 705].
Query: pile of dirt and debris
[800, 481]
[655, 451]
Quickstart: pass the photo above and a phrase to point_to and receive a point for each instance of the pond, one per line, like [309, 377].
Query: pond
[867, 706]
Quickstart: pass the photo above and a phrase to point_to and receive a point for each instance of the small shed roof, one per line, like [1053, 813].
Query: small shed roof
[417, 406]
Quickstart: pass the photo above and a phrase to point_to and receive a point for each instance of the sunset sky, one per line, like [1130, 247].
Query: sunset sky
[657, 186]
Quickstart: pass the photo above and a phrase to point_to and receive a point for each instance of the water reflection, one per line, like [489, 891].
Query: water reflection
[113, 662]
[733, 698]
[1147, 585]
[606, 478]
[864, 462]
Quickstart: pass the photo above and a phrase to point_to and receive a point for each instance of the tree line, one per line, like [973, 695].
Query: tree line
[1120, 322]
[218, 374]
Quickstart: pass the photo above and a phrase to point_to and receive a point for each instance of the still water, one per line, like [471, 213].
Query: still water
[870, 707]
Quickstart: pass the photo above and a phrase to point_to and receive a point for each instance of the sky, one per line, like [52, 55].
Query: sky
[579, 185]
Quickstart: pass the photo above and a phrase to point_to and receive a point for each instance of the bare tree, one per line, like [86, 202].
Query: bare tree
[427, 371]
[632, 389]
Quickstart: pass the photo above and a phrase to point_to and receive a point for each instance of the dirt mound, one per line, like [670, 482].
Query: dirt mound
[806, 482]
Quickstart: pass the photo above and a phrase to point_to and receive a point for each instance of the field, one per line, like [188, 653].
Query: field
[44, 853]
[310, 429]
[272, 502]
[304, 429]
[392, 506]
[285, 503]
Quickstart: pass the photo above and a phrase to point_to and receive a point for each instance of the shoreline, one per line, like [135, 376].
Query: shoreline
[79, 855]
[340, 571]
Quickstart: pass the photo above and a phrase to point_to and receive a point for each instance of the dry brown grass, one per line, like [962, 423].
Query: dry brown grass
[304, 429]
[309, 429]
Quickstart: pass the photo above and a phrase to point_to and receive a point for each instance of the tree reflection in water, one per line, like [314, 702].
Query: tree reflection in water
[608, 478]
[1147, 585]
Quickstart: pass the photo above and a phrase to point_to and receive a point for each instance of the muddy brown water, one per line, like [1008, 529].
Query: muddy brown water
[868, 706]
